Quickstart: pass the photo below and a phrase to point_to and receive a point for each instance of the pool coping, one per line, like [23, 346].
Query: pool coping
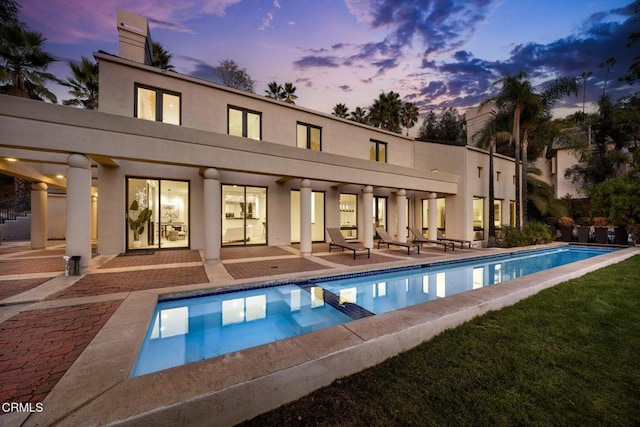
[98, 389]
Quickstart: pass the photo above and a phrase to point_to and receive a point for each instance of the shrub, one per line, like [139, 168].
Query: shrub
[584, 221]
[532, 233]
[565, 221]
[600, 221]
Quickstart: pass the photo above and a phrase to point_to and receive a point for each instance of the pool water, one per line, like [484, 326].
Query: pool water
[192, 329]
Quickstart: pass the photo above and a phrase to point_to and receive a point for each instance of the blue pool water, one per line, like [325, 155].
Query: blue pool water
[187, 330]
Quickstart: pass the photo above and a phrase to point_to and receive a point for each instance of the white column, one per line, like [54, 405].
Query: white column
[38, 215]
[367, 215]
[305, 217]
[401, 208]
[78, 232]
[432, 221]
[94, 217]
[212, 214]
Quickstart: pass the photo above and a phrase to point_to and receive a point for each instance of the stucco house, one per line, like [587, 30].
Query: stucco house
[172, 161]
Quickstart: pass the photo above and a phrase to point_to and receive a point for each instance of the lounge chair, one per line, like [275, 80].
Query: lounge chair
[387, 240]
[419, 237]
[461, 241]
[338, 240]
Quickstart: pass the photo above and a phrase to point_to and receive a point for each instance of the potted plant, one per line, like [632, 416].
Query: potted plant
[137, 221]
[621, 236]
[566, 228]
[602, 229]
[584, 225]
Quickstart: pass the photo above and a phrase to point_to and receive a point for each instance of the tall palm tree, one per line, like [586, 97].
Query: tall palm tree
[515, 92]
[275, 91]
[607, 64]
[359, 115]
[584, 76]
[340, 110]
[23, 64]
[487, 138]
[385, 112]
[160, 57]
[409, 115]
[289, 95]
[83, 84]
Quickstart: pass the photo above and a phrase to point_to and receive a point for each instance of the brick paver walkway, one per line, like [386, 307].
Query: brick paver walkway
[159, 257]
[38, 265]
[237, 252]
[37, 347]
[129, 281]
[245, 270]
[9, 288]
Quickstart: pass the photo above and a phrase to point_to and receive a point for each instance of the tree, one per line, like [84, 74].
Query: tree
[340, 110]
[83, 84]
[275, 91]
[289, 93]
[607, 64]
[160, 57]
[359, 115]
[385, 112]
[409, 115]
[584, 76]
[633, 73]
[618, 199]
[231, 75]
[9, 13]
[428, 129]
[23, 64]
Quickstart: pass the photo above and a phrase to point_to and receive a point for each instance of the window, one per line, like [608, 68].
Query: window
[157, 105]
[497, 213]
[379, 213]
[440, 216]
[309, 136]
[317, 216]
[512, 213]
[378, 151]
[245, 123]
[478, 218]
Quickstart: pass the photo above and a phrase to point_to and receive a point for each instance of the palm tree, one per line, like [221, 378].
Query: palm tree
[487, 138]
[385, 112]
[359, 115]
[409, 115]
[340, 110]
[275, 91]
[584, 76]
[161, 58]
[23, 64]
[607, 64]
[288, 94]
[83, 84]
[515, 93]
[9, 12]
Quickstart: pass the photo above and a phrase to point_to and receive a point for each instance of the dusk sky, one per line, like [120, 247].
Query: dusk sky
[436, 53]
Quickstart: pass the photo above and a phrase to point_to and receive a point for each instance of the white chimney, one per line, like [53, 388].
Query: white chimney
[134, 36]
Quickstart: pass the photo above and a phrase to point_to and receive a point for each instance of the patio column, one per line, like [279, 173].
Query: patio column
[401, 207]
[367, 215]
[305, 217]
[432, 221]
[38, 215]
[212, 214]
[78, 231]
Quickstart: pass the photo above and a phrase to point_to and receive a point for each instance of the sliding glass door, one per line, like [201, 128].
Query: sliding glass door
[157, 214]
[244, 215]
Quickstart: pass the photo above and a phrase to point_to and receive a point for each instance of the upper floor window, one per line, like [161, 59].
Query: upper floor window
[309, 136]
[157, 105]
[378, 151]
[245, 123]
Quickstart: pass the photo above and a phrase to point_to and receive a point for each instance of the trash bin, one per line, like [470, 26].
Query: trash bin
[75, 265]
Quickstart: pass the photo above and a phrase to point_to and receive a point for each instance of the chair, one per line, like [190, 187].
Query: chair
[387, 240]
[338, 240]
[461, 241]
[419, 237]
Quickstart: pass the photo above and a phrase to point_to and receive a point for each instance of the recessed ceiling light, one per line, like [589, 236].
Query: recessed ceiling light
[10, 159]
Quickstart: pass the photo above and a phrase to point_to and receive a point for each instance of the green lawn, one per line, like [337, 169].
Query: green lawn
[567, 356]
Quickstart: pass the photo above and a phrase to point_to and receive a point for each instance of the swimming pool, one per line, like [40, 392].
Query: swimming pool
[187, 330]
